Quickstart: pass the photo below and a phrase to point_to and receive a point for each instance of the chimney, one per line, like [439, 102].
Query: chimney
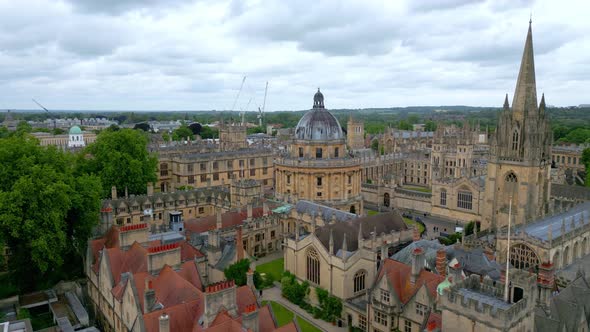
[250, 279]
[239, 243]
[384, 250]
[441, 262]
[218, 223]
[250, 318]
[249, 211]
[164, 323]
[113, 192]
[455, 271]
[149, 297]
[265, 210]
[417, 264]
[415, 234]
[150, 188]
[219, 295]
[360, 236]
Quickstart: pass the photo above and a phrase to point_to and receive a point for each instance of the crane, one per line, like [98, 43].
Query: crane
[238, 96]
[46, 110]
[261, 111]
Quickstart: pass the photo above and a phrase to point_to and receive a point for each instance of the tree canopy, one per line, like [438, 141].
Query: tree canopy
[237, 272]
[182, 133]
[120, 158]
[47, 210]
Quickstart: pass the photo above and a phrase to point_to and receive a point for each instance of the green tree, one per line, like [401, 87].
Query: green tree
[237, 272]
[166, 136]
[375, 145]
[24, 126]
[47, 211]
[430, 125]
[577, 136]
[208, 132]
[182, 133]
[58, 131]
[404, 125]
[120, 158]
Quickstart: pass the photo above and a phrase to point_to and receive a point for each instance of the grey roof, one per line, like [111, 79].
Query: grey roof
[572, 192]
[540, 229]
[319, 124]
[166, 237]
[472, 260]
[484, 298]
[227, 256]
[566, 308]
[311, 208]
[381, 223]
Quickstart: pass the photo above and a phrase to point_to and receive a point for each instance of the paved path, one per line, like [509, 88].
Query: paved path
[274, 294]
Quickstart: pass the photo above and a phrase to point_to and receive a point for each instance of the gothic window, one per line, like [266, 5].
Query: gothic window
[313, 266]
[523, 257]
[511, 177]
[300, 152]
[515, 140]
[465, 200]
[443, 197]
[359, 281]
[336, 152]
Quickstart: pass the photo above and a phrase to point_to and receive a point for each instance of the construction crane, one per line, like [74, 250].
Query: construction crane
[46, 110]
[261, 111]
[233, 107]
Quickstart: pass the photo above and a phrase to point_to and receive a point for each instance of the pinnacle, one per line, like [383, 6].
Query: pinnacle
[525, 94]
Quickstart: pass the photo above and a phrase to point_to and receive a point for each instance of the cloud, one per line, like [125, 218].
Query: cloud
[182, 54]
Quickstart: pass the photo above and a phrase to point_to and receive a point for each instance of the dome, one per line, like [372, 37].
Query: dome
[75, 130]
[318, 124]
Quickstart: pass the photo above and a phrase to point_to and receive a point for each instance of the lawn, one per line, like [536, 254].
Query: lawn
[411, 223]
[422, 189]
[284, 316]
[372, 212]
[272, 268]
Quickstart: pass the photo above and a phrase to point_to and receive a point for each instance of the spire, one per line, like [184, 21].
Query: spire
[542, 105]
[331, 244]
[525, 94]
[344, 247]
[506, 104]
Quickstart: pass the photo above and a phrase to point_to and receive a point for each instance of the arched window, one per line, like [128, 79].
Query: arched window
[511, 177]
[523, 257]
[465, 200]
[515, 140]
[443, 197]
[359, 280]
[313, 266]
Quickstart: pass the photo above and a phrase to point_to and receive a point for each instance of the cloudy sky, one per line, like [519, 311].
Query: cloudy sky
[192, 55]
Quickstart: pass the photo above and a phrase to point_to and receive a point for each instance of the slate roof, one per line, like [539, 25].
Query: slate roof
[311, 208]
[540, 228]
[566, 308]
[228, 220]
[381, 223]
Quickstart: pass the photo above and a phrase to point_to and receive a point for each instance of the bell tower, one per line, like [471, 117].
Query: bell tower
[520, 155]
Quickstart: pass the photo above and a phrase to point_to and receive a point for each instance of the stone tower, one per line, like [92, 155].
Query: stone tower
[520, 156]
[355, 136]
[232, 137]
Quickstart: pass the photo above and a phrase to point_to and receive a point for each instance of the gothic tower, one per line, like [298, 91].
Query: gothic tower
[520, 155]
[355, 136]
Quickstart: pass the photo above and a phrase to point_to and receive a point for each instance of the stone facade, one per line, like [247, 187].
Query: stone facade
[317, 165]
[355, 134]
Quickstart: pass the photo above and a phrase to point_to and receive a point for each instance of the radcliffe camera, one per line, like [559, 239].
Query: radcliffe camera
[294, 166]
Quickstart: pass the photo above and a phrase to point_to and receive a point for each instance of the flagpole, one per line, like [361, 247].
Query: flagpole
[507, 281]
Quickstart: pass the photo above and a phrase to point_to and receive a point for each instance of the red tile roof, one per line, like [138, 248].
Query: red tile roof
[188, 252]
[183, 317]
[289, 327]
[189, 272]
[228, 220]
[244, 296]
[399, 276]
[434, 322]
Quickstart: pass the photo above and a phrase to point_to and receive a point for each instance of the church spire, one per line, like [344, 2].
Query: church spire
[525, 94]
[506, 104]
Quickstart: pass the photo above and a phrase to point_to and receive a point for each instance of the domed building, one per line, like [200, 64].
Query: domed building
[317, 166]
[76, 138]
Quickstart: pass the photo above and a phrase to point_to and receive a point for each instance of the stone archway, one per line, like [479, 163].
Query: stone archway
[523, 257]
[584, 247]
[566, 257]
[576, 251]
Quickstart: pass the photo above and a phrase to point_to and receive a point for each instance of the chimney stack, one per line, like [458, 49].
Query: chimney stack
[331, 243]
[384, 250]
[164, 323]
[218, 223]
[250, 318]
[113, 192]
[417, 264]
[126, 192]
[441, 262]
[149, 297]
[249, 211]
[265, 210]
[250, 279]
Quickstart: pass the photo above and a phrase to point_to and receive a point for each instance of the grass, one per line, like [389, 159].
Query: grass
[422, 189]
[284, 316]
[372, 212]
[272, 268]
[411, 223]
